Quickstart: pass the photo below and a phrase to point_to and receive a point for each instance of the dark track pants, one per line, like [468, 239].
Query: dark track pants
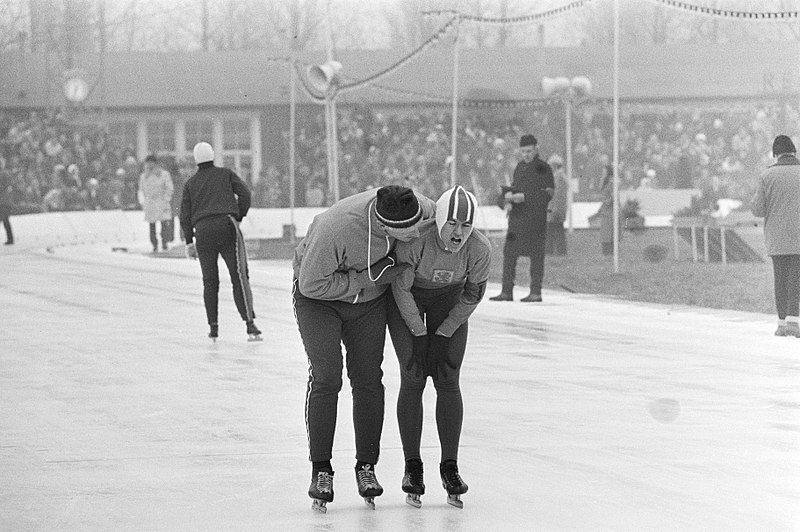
[215, 236]
[7, 226]
[787, 284]
[443, 367]
[324, 326]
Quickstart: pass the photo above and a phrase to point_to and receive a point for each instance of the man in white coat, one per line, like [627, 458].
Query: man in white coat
[155, 195]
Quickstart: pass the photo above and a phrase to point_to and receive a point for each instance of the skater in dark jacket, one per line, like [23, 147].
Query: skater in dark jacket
[214, 202]
[342, 270]
[427, 316]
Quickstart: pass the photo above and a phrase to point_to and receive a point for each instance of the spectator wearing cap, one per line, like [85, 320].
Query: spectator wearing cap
[214, 201]
[527, 198]
[777, 200]
[155, 195]
[342, 269]
[556, 241]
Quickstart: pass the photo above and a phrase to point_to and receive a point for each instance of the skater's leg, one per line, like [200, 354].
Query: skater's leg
[320, 329]
[235, 257]
[364, 335]
[537, 259]
[449, 404]
[206, 244]
[412, 382]
[166, 232]
[446, 356]
[792, 285]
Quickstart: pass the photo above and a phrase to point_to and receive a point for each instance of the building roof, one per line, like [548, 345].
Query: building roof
[251, 78]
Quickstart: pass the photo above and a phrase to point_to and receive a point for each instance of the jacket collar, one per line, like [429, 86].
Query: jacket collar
[786, 159]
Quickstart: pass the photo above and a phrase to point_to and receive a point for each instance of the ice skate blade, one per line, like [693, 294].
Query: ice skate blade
[370, 502]
[455, 500]
[412, 499]
[319, 506]
[254, 338]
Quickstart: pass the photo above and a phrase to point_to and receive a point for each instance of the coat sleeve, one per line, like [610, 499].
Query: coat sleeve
[474, 288]
[186, 216]
[243, 195]
[321, 276]
[401, 289]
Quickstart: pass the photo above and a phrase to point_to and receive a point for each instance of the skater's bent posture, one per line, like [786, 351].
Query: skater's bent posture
[342, 271]
[214, 202]
[427, 318]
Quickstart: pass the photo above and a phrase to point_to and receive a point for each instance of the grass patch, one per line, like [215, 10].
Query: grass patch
[734, 286]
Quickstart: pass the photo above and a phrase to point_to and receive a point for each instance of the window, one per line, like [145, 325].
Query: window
[123, 134]
[160, 137]
[197, 131]
[236, 134]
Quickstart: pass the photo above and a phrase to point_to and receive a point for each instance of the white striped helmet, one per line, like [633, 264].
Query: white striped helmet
[455, 204]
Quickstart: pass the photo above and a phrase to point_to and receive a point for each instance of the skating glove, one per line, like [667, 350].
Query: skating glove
[191, 251]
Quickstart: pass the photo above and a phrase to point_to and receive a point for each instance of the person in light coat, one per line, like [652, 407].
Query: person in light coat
[155, 196]
[777, 200]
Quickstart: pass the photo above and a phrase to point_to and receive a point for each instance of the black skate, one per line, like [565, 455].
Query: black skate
[368, 486]
[253, 334]
[213, 332]
[321, 490]
[413, 484]
[452, 483]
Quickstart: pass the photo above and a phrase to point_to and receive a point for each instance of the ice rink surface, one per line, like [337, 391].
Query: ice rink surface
[581, 413]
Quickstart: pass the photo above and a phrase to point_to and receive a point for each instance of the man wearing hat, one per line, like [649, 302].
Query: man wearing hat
[214, 201]
[342, 269]
[777, 200]
[528, 196]
[155, 196]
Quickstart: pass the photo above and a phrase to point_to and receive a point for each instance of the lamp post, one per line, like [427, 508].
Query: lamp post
[325, 78]
[571, 92]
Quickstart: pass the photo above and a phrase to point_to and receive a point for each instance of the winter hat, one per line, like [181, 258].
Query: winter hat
[203, 152]
[455, 204]
[397, 207]
[527, 140]
[782, 144]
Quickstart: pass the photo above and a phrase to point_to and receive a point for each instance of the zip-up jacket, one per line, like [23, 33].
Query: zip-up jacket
[332, 261]
[434, 267]
[212, 191]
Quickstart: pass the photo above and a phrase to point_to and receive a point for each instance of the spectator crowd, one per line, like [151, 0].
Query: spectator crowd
[55, 164]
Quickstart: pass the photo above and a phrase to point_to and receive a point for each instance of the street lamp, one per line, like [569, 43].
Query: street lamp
[571, 92]
[325, 78]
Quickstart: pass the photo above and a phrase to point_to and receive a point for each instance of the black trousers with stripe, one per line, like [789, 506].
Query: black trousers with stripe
[215, 236]
[361, 327]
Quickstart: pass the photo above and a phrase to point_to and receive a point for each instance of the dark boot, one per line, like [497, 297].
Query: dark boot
[502, 296]
[533, 297]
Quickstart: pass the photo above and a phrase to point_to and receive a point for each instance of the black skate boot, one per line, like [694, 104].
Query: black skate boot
[253, 334]
[321, 490]
[368, 486]
[213, 331]
[413, 484]
[452, 483]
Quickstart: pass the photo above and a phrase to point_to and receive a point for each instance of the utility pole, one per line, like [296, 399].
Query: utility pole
[204, 24]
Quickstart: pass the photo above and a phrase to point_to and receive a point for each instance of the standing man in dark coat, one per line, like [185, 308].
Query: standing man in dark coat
[528, 196]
